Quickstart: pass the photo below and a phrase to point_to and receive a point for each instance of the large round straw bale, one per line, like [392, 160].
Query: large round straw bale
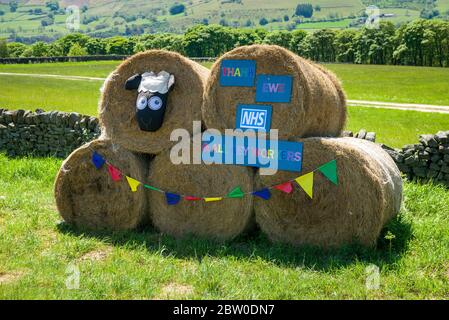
[222, 220]
[88, 198]
[117, 105]
[368, 195]
[318, 103]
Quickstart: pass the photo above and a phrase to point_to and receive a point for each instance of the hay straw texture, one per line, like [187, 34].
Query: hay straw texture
[117, 105]
[88, 198]
[317, 108]
[368, 195]
[223, 220]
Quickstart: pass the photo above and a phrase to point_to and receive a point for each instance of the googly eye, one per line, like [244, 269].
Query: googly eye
[141, 103]
[155, 103]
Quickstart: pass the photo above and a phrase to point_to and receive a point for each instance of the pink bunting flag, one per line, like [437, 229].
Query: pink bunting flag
[285, 187]
[115, 173]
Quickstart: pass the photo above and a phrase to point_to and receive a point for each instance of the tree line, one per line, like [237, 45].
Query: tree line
[418, 43]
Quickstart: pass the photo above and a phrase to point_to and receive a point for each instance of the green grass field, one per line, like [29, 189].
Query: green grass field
[37, 252]
[401, 84]
[361, 82]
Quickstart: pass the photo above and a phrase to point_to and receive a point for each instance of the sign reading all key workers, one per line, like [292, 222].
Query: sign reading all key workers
[252, 152]
[271, 88]
[237, 73]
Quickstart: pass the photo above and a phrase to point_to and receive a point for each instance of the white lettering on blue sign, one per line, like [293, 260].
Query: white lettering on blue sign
[254, 117]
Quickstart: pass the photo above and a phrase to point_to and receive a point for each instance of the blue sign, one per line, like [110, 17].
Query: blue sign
[254, 117]
[237, 73]
[272, 88]
[252, 152]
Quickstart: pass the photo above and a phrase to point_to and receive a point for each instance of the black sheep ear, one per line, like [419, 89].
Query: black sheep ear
[133, 83]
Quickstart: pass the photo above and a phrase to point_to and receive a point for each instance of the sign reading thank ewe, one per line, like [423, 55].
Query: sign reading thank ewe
[316, 102]
[238, 73]
[272, 88]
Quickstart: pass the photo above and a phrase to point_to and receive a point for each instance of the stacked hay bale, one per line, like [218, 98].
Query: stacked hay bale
[369, 192]
[318, 103]
[88, 198]
[117, 105]
[368, 195]
[220, 220]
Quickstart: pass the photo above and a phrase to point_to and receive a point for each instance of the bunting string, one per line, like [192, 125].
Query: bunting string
[306, 182]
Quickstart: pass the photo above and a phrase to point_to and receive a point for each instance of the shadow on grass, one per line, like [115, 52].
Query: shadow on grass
[256, 246]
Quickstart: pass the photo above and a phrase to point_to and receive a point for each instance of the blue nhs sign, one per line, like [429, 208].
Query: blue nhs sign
[254, 117]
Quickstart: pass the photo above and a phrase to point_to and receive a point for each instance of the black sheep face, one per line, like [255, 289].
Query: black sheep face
[153, 90]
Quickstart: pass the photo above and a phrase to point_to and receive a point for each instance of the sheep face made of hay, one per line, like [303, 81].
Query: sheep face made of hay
[316, 105]
[153, 91]
[148, 96]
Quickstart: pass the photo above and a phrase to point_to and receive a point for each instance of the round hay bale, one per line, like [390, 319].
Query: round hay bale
[86, 197]
[117, 106]
[318, 103]
[222, 220]
[368, 195]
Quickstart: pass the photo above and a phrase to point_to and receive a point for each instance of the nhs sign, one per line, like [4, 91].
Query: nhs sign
[254, 117]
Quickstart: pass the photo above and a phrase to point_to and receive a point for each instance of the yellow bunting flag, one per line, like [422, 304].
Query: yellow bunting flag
[133, 184]
[306, 182]
[212, 199]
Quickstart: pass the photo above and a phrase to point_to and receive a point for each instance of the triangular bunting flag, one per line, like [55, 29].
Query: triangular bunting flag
[212, 199]
[264, 194]
[115, 173]
[172, 198]
[151, 188]
[236, 193]
[330, 171]
[97, 160]
[285, 187]
[133, 184]
[306, 182]
[193, 198]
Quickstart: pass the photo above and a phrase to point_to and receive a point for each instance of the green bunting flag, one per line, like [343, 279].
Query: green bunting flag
[152, 188]
[236, 193]
[330, 171]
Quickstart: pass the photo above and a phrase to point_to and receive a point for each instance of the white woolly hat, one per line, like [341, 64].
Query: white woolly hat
[152, 82]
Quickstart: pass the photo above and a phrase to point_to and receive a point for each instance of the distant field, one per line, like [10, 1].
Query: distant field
[377, 83]
[394, 83]
[246, 13]
[100, 69]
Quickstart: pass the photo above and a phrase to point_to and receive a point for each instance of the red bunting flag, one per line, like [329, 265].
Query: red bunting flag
[193, 198]
[115, 173]
[285, 187]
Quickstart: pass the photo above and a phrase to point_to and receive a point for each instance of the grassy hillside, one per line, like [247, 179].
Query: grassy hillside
[112, 17]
